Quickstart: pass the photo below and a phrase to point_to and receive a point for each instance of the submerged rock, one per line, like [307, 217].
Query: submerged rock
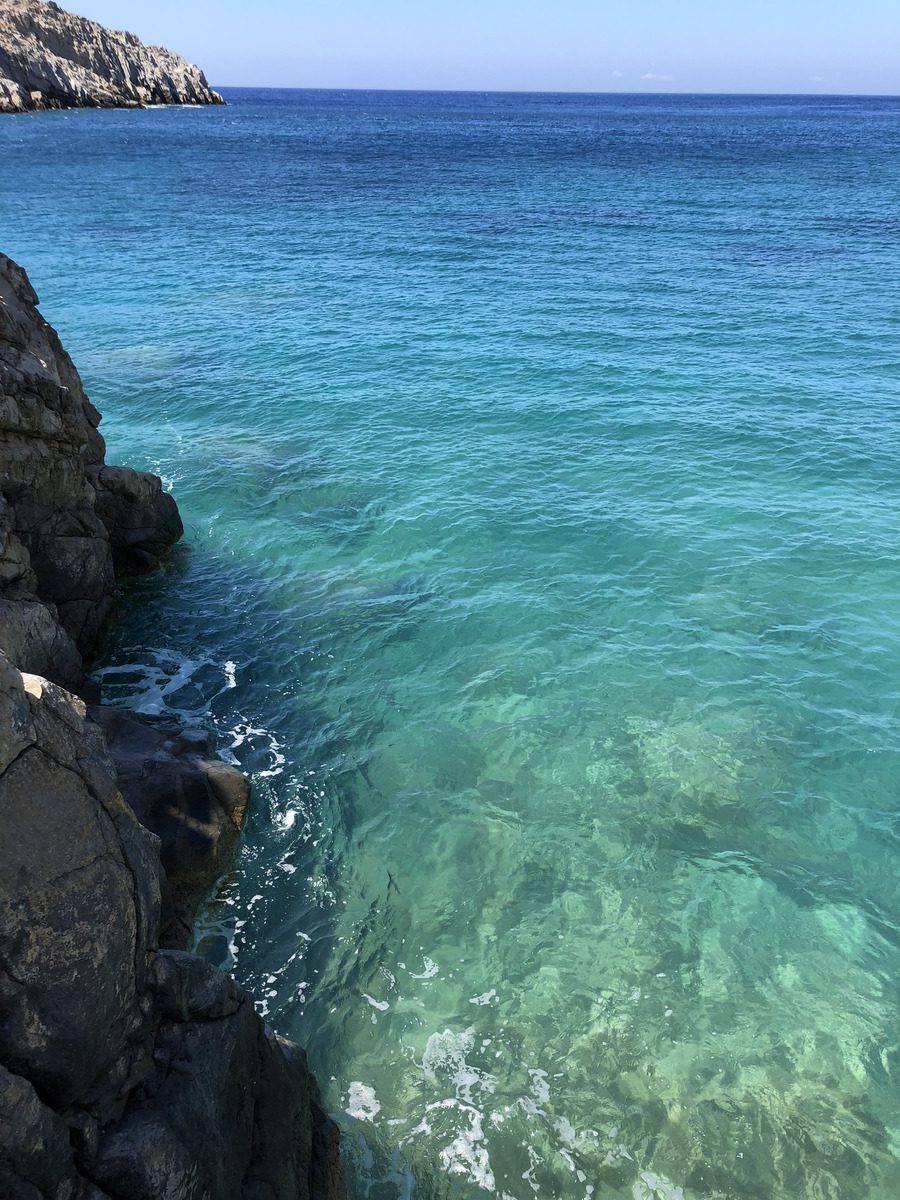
[50, 58]
[126, 1070]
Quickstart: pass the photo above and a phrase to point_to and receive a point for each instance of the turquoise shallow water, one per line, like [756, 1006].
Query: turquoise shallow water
[538, 457]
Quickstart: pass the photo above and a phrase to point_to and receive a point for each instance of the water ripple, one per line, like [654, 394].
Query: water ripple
[538, 459]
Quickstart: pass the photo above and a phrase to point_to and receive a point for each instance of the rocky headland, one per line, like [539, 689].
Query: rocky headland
[129, 1069]
[50, 58]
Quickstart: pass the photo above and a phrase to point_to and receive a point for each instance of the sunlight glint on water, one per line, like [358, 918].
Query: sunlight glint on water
[539, 462]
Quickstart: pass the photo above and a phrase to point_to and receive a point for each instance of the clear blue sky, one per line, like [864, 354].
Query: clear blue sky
[842, 46]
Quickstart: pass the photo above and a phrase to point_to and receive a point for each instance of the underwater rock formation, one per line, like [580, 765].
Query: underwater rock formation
[50, 58]
[126, 1070]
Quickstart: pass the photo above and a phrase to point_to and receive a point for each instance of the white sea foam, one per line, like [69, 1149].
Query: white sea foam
[445, 1056]
[540, 1088]
[485, 998]
[431, 969]
[468, 1154]
[361, 1102]
[655, 1187]
[149, 687]
[246, 733]
[381, 1005]
[566, 1131]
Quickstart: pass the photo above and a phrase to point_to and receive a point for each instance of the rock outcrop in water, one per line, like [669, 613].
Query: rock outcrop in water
[157, 759]
[126, 1071]
[50, 58]
[66, 519]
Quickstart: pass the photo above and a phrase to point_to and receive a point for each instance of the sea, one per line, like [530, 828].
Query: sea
[539, 457]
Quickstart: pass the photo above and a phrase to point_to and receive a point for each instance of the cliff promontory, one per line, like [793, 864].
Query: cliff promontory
[129, 1069]
[50, 58]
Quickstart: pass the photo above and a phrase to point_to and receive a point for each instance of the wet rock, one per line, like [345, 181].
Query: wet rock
[50, 58]
[125, 1071]
[191, 800]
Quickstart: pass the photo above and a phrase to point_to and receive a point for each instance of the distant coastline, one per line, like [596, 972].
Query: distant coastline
[51, 59]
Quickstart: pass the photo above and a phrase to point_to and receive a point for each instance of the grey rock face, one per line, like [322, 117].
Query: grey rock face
[50, 58]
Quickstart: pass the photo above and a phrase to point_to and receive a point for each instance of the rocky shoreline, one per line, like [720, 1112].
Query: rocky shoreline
[50, 58]
[129, 1069]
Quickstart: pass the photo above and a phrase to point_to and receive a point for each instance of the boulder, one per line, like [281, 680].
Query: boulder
[125, 1071]
[191, 800]
[142, 520]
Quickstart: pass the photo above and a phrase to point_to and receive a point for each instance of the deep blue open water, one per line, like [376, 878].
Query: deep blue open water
[539, 462]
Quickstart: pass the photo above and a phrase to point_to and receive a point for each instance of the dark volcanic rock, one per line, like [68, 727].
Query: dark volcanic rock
[229, 1102]
[80, 905]
[191, 800]
[126, 1072]
[50, 58]
[67, 518]
[141, 519]
[35, 1154]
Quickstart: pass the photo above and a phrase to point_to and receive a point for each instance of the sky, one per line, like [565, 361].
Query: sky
[799, 46]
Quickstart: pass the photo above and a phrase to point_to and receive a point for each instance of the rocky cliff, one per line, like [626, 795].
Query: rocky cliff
[127, 1070]
[50, 58]
[68, 522]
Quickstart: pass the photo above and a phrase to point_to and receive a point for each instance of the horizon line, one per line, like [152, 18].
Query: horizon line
[274, 87]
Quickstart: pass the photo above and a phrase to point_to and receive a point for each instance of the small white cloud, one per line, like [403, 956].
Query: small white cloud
[617, 74]
[650, 75]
